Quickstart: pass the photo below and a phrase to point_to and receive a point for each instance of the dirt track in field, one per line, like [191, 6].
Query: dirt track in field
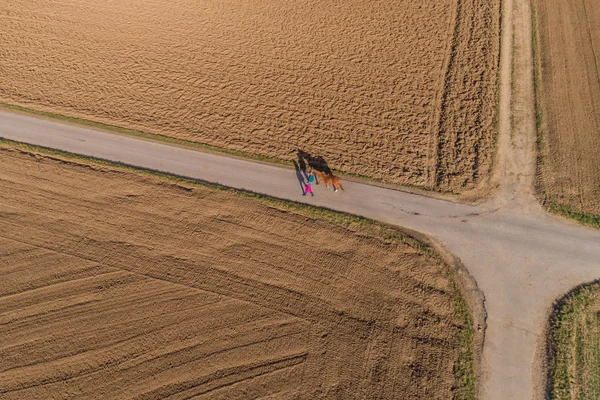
[570, 86]
[117, 286]
[397, 90]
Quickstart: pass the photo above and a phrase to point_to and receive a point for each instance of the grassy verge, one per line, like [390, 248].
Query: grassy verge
[464, 370]
[465, 366]
[591, 220]
[203, 146]
[550, 205]
[574, 346]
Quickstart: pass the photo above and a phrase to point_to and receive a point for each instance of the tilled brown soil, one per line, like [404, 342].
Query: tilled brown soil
[119, 285]
[569, 51]
[397, 90]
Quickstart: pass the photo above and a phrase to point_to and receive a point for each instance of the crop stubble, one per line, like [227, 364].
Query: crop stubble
[397, 90]
[116, 285]
[569, 51]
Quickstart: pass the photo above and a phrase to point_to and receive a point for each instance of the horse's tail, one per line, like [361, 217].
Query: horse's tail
[337, 183]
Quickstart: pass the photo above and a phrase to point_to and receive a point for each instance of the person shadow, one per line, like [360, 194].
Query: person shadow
[300, 175]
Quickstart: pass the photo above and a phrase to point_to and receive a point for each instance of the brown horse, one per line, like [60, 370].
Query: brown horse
[328, 179]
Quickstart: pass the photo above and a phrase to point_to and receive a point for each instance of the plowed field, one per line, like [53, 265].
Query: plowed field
[397, 90]
[118, 285]
[569, 51]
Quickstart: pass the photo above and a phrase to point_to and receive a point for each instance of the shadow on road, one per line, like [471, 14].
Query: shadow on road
[315, 162]
[300, 176]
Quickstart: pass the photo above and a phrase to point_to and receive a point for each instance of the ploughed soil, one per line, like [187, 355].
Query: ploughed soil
[569, 51]
[118, 285]
[402, 91]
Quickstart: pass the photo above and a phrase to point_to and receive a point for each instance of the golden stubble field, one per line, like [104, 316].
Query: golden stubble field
[118, 285]
[397, 90]
[569, 51]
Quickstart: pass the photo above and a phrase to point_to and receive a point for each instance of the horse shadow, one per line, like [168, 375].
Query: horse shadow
[318, 163]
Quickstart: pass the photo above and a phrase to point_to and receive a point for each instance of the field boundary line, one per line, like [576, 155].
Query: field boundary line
[445, 90]
[441, 95]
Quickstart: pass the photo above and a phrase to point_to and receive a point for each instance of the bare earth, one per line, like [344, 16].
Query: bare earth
[570, 84]
[397, 90]
[116, 285]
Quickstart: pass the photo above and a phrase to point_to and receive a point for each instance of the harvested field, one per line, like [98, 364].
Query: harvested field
[569, 114]
[574, 346]
[117, 285]
[396, 90]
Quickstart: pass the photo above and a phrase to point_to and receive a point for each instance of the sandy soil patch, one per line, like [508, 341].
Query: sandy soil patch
[118, 285]
[569, 52]
[397, 90]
